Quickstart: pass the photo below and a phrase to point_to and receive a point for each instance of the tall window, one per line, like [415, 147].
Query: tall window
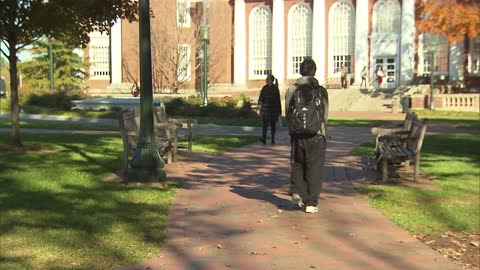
[475, 55]
[342, 27]
[300, 36]
[183, 13]
[438, 60]
[386, 17]
[99, 54]
[183, 71]
[260, 41]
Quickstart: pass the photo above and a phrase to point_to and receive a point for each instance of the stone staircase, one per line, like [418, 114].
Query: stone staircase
[365, 100]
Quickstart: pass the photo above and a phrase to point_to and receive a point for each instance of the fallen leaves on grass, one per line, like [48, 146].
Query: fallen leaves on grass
[461, 247]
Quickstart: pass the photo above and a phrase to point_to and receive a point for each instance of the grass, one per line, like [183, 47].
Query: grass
[110, 114]
[447, 114]
[218, 143]
[468, 120]
[57, 125]
[58, 213]
[252, 122]
[453, 160]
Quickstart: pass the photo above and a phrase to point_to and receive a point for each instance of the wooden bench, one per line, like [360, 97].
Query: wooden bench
[393, 149]
[403, 128]
[183, 129]
[129, 124]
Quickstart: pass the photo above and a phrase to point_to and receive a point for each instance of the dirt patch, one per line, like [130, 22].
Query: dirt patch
[461, 247]
[26, 148]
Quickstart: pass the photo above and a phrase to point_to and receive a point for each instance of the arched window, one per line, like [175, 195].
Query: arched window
[342, 29]
[260, 41]
[386, 17]
[300, 36]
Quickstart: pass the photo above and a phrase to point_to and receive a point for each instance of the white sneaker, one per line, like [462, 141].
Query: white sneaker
[311, 209]
[296, 199]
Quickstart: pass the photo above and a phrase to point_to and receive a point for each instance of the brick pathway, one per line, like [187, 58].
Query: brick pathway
[234, 212]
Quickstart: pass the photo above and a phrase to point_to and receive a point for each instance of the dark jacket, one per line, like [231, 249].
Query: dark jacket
[323, 93]
[269, 102]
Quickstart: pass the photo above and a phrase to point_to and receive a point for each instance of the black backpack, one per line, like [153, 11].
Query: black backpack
[305, 111]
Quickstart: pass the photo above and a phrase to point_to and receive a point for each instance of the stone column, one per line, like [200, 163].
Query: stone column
[407, 44]
[116, 52]
[319, 40]
[278, 41]
[455, 67]
[361, 39]
[240, 49]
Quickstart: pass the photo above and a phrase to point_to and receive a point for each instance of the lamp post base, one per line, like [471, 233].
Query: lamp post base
[147, 165]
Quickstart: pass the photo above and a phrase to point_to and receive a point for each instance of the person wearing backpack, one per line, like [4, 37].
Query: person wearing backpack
[306, 107]
[270, 107]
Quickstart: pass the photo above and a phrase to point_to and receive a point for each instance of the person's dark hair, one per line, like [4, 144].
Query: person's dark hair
[308, 67]
[272, 78]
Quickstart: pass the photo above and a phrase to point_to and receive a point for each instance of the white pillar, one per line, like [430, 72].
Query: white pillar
[455, 69]
[240, 49]
[278, 41]
[407, 46]
[116, 51]
[319, 39]
[361, 39]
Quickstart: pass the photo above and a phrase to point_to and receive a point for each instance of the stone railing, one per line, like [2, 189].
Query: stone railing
[461, 102]
[449, 102]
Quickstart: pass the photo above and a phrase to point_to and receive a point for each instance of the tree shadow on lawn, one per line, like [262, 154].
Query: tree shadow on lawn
[66, 210]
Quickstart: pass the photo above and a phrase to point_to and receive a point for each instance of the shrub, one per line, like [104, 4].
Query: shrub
[54, 100]
[217, 107]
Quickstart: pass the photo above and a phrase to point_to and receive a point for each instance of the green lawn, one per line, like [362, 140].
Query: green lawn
[57, 125]
[58, 213]
[218, 143]
[469, 120]
[454, 160]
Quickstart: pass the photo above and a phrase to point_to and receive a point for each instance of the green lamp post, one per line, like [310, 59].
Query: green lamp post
[50, 55]
[204, 52]
[147, 164]
[433, 46]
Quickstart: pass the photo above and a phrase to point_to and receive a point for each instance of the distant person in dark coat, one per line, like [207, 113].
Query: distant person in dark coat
[270, 107]
[3, 87]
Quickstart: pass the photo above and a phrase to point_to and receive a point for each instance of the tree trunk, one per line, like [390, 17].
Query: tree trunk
[14, 108]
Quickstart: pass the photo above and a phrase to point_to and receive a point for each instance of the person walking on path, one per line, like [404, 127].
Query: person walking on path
[3, 87]
[363, 74]
[344, 72]
[380, 74]
[270, 107]
[307, 148]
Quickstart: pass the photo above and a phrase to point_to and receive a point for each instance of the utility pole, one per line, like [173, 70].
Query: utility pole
[147, 164]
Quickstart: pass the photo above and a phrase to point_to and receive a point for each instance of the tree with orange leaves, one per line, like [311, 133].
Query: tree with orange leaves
[456, 20]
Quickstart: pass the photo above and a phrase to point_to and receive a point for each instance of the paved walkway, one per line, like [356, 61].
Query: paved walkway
[233, 212]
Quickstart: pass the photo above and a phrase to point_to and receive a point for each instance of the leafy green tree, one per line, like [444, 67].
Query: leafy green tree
[69, 67]
[23, 22]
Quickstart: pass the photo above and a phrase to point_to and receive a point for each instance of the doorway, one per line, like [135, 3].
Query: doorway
[389, 65]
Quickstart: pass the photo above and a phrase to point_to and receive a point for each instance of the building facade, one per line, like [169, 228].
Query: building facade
[249, 39]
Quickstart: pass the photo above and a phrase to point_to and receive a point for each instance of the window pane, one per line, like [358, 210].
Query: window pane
[343, 35]
[387, 17]
[301, 36]
[262, 41]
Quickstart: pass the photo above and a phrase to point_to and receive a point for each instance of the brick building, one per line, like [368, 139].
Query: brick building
[251, 38]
